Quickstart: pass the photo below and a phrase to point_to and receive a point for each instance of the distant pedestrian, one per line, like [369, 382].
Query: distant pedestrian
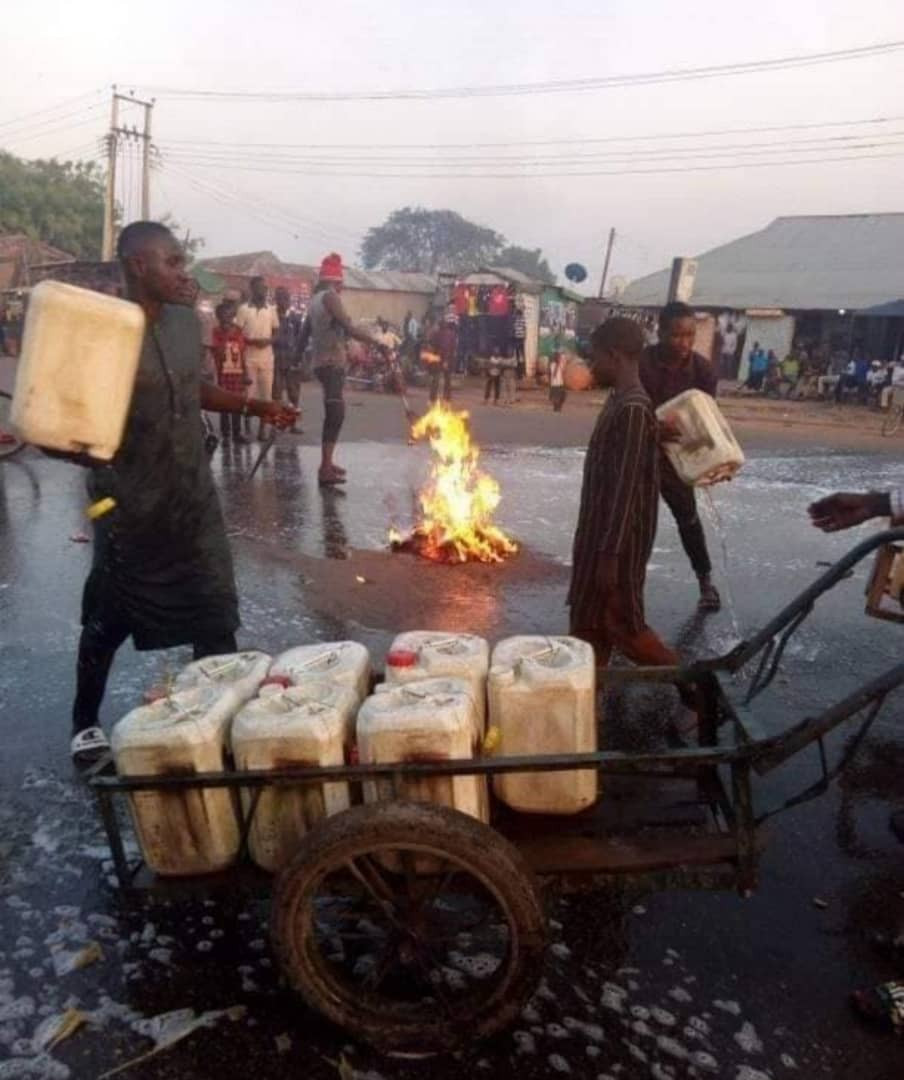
[494, 377]
[228, 348]
[509, 378]
[758, 365]
[729, 350]
[287, 370]
[259, 323]
[557, 391]
[519, 336]
[444, 343]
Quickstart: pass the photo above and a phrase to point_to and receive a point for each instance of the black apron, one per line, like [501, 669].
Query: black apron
[162, 567]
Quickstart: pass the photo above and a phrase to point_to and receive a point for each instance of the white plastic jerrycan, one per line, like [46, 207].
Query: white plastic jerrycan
[242, 672]
[433, 720]
[346, 663]
[77, 368]
[310, 724]
[542, 693]
[707, 451]
[428, 654]
[183, 830]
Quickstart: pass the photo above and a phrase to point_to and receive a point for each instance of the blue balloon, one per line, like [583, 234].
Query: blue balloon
[575, 272]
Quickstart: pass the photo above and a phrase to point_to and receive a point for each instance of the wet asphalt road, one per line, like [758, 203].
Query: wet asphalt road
[660, 985]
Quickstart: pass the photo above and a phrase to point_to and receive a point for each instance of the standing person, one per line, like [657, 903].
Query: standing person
[895, 388]
[287, 367]
[758, 365]
[519, 335]
[494, 376]
[616, 525]
[668, 369]
[729, 350]
[411, 333]
[162, 570]
[228, 350]
[444, 341]
[329, 327]
[259, 323]
[509, 368]
[557, 391]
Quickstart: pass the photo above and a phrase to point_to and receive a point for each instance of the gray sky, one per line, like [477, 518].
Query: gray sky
[63, 49]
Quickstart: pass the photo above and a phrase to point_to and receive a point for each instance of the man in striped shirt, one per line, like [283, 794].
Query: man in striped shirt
[619, 502]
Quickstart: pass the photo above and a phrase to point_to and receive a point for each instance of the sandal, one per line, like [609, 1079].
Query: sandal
[883, 1004]
[709, 597]
[330, 479]
[89, 746]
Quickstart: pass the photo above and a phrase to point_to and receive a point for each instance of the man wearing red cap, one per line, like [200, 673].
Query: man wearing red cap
[329, 327]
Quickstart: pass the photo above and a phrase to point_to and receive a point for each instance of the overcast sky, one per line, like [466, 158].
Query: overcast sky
[58, 49]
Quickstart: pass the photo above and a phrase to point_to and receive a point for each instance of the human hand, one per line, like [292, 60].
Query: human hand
[669, 430]
[275, 413]
[844, 510]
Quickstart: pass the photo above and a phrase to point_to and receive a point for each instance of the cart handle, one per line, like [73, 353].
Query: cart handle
[800, 607]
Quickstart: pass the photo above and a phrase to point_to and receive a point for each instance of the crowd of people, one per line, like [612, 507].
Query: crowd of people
[813, 374]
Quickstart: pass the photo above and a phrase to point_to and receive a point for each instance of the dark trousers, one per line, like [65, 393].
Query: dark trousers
[332, 379]
[230, 425]
[287, 380]
[518, 353]
[96, 650]
[440, 378]
[682, 501]
[557, 397]
[493, 384]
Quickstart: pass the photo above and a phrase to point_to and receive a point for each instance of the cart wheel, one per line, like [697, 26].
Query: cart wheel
[892, 421]
[413, 926]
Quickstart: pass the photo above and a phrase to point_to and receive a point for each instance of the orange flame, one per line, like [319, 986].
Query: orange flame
[458, 502]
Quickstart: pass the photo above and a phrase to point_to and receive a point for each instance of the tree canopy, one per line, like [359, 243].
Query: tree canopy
[58, 202]
[433, 241]
[528, 261]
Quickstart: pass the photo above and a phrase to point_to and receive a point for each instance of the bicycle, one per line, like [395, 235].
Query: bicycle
[895, 414]
[10, 443]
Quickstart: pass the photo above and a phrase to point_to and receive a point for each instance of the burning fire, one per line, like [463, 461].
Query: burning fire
[458, 502]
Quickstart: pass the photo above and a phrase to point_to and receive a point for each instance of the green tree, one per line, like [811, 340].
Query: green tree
[429, 241]
[58, 202]
[528, 261]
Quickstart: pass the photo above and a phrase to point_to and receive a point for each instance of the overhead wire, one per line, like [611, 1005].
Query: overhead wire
[604, 82]
[697, 133]
[49, 109]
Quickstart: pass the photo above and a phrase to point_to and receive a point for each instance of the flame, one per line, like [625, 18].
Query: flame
[458, 502]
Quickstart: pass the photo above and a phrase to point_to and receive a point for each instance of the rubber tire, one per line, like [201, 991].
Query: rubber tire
[892, 422]
[485, 853]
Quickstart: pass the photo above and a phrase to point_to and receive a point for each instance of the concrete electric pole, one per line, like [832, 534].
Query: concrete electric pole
[118, 134]
[606, 263]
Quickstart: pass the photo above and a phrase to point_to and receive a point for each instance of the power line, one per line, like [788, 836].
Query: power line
[57, 125]
[773, 128]
[605, 82]
[557, 174]
[804, 146]
[50, 108]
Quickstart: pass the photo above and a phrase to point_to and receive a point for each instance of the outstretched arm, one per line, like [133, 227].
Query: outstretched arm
[336, 308]
[215, 399]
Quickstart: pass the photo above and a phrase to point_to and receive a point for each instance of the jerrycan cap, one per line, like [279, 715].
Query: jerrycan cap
[401, 658]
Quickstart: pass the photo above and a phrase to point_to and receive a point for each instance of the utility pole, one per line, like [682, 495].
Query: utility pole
[106, 252]
[606, 263]
[116, 134]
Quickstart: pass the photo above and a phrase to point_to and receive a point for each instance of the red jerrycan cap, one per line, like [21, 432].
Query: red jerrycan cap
[401, 658]
[277, 680]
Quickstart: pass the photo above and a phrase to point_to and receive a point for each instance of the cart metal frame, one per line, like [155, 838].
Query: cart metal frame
[579, 848]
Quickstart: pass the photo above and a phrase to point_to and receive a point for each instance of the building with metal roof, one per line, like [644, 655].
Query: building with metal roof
[812, 262]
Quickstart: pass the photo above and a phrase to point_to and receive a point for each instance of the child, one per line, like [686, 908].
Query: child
[619, 502]
[228, 344]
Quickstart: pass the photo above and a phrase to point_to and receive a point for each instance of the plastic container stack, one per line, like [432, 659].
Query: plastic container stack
[345, 663]
[707, 451]
[185, 830]
[77, 368]
[542, 694]
[307, 725]
[429, 654]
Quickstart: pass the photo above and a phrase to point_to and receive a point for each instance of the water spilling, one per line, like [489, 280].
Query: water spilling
[715, 520]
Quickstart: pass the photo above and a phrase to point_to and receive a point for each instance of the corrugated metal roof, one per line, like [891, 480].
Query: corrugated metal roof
[811, 262]
[389, 281]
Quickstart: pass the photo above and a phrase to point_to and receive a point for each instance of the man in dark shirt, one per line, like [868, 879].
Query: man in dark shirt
[667, 369]
[619, 501]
